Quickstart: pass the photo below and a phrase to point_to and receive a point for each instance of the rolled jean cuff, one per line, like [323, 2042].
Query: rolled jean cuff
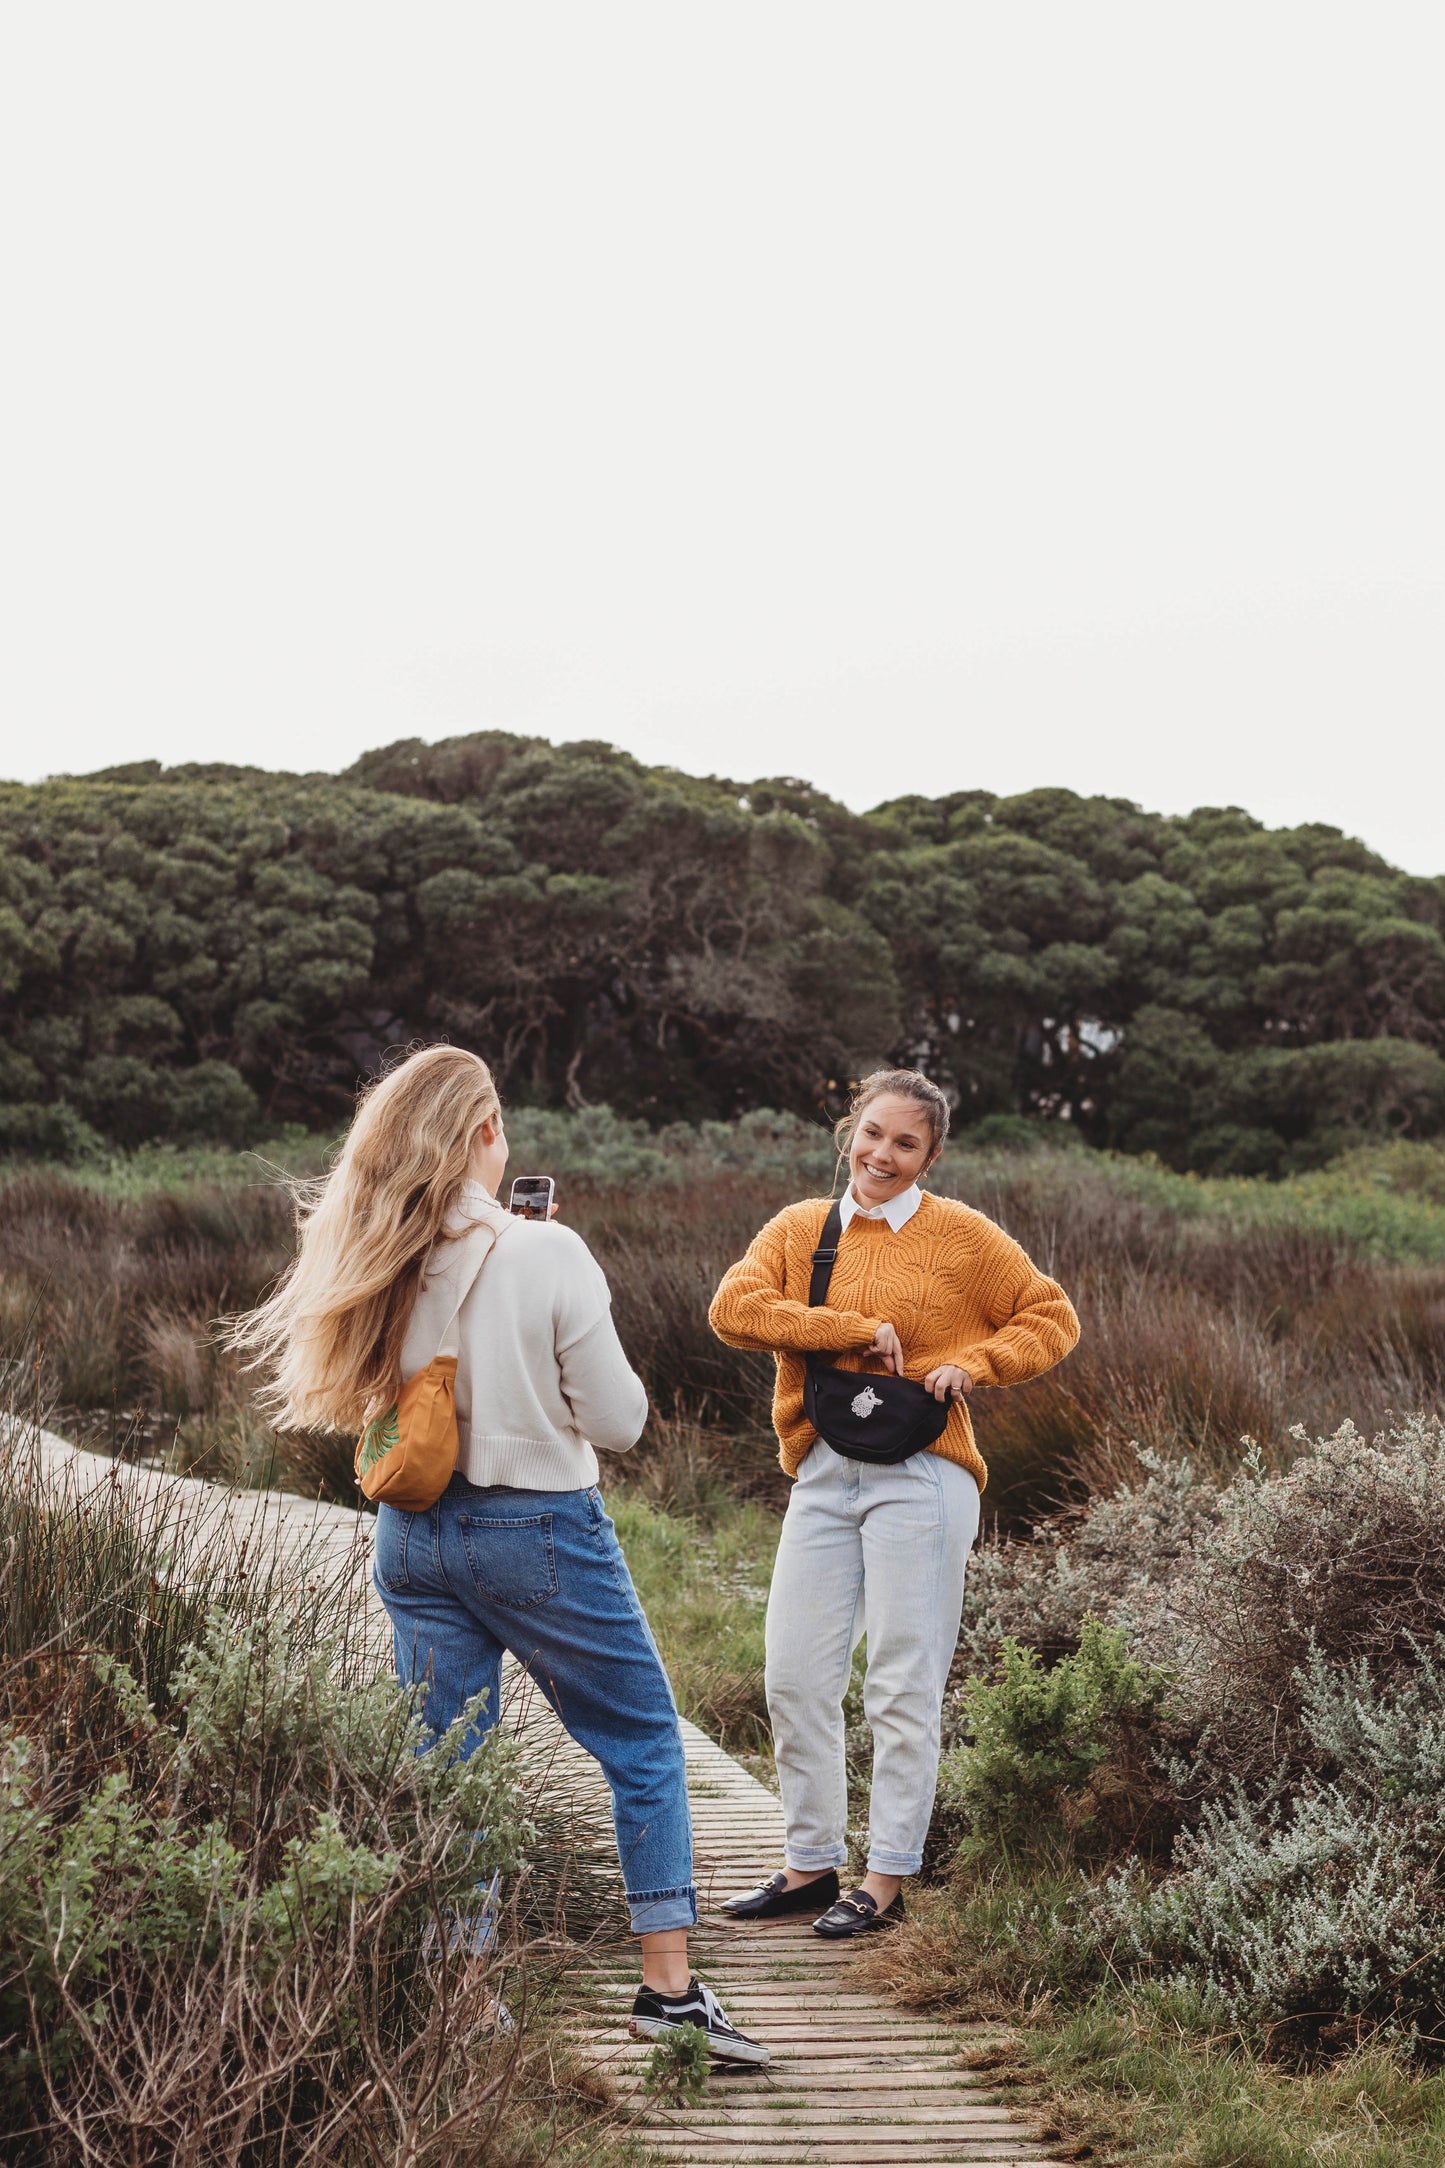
[656, 1911]
[894, 1862]
[815, 1858]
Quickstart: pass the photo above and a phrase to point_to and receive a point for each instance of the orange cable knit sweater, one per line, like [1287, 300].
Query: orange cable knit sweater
[953, 1285]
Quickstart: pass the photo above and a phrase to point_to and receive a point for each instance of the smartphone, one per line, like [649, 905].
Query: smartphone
[531, 1196]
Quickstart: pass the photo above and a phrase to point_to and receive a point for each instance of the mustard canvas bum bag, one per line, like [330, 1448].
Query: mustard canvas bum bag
[407, 1455]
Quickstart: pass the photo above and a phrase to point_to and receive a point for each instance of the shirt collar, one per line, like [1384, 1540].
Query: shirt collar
[898, 1211]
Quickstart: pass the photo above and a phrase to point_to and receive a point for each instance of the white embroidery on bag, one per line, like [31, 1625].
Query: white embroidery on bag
[865, 1402]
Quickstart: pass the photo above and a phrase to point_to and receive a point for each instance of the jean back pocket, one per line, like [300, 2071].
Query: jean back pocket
[512, 1562]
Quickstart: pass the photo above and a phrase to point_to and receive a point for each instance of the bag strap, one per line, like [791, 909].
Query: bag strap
[451, 1341]
[825, 1256]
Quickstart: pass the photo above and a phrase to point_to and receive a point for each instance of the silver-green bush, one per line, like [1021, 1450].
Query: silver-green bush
[1321, 1913]
[1299, 1618]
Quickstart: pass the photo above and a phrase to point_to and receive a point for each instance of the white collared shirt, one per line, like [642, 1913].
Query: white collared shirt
[898, 1211]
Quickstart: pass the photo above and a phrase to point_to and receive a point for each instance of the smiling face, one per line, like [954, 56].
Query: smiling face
[892, 1146]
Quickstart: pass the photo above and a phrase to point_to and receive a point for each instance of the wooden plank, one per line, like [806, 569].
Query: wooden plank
[790, 2104]
[821, 2122]
[901, 2148]
[895, 2147]
[701, 2145]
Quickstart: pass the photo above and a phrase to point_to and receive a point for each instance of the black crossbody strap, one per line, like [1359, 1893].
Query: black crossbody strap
[825, 1256]
[885, 1421]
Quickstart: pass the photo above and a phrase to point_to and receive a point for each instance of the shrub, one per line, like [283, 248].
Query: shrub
[597, 1147]
[1233, 1586]
[1321, 1916]
[679, 2065]
[1341, 1559]
[1300, 1614]
[211, 1921]
[229, 1880]
[1058, 1759]
[134, 1101]
[274, 1818]
[48, 1131]
[1110, 1558]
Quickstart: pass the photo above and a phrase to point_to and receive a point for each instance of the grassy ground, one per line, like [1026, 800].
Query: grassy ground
[703, 1581]
[1148, 2082]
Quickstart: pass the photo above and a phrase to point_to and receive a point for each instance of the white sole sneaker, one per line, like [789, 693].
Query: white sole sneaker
[654, 2016]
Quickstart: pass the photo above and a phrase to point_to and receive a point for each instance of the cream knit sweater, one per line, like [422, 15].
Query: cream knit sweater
[542, 1382]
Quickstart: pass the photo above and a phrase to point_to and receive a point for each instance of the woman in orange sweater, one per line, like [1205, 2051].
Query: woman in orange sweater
[900, 1285]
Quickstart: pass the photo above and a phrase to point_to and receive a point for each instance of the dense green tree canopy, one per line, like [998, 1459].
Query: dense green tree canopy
[187, 951]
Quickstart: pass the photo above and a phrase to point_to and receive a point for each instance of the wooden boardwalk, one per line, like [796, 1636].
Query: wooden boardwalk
[853, 2080]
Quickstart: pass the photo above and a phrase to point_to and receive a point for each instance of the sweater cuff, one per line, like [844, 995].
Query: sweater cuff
[978, 1363]
[861, 1331]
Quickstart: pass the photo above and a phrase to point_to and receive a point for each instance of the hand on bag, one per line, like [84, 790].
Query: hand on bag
[948, 1382]
[887, 1344]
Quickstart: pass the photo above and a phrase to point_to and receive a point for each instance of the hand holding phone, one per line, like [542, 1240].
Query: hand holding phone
[532, 1196]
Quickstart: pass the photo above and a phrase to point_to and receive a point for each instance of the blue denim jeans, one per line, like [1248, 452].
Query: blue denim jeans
[541, 1573]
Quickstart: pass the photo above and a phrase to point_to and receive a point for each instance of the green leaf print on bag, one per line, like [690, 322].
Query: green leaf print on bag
[379, 1436]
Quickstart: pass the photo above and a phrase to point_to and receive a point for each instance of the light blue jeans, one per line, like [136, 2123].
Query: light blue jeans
[880, 1551]
[541, 1573]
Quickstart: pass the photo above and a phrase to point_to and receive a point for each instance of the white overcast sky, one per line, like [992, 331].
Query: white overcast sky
[910, 396]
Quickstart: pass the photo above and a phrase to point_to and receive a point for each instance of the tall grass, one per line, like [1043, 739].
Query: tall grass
[1210, 1310]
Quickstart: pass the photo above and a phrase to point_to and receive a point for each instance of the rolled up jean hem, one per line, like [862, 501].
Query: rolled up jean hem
[657, 1911]
[894, 1862]
[816, 1858]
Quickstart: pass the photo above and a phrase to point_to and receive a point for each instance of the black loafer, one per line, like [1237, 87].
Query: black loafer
[857, 1914]
[773, 1900]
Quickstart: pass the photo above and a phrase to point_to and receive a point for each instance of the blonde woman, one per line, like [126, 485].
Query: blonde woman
[901, 1285]
[518, 1552]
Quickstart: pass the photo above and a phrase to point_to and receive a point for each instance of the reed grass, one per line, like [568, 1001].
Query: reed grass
[1211, 1310]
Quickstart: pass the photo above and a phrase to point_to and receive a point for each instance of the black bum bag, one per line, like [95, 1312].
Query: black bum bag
[881, 1419]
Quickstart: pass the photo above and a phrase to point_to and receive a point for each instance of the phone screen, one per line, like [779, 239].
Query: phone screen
[532, 1195]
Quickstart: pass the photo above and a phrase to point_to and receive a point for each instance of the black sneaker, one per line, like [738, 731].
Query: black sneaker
[654, 2016]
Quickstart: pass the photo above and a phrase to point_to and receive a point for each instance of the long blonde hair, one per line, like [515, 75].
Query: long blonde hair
[329, 1335]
